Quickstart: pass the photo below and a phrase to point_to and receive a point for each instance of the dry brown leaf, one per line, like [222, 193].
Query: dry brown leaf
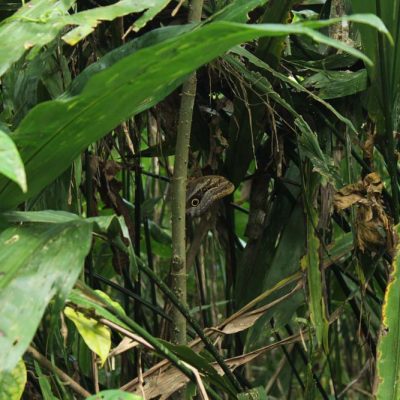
[124, 345]
[373, 226]
[249, 318]
[164, 383]
[162, 379]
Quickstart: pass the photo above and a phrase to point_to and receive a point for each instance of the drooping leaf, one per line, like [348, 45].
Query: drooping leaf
[291, 82]
[337, 84]
[202, 364]
[37, 262]
[308, 139]
[112, 95]
[84, 301]
[96, 336]
[308, 143]
[87, 20]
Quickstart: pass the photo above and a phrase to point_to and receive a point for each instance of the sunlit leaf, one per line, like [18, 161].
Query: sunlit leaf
[12, 383]
[88, 20]
[39, 22]
[96, 335]
[114, 395]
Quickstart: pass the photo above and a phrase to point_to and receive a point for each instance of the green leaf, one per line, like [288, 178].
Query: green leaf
[309, 146]
[12, 383]
[109, 225]
[257, 393]
[88, 20]
[337, 84]
[37, 262]
[39, 22]
[238, 10]
[85, 301]
[308, 139]
[291, 82]
[371, 20]
[11, 164]
[114, 395]
[96, 335]
[20, 33]
[107, 299]
[44, 383]
[112, 95]
[310, 263]
[47, 216]
[388, 350]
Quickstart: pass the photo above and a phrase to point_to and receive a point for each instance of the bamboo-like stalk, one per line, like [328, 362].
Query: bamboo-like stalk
[178, 267]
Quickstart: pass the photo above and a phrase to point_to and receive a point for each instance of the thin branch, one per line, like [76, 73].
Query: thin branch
[44, 362]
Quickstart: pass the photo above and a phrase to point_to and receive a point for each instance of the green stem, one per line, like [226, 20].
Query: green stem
[178, 265]
[186, 314]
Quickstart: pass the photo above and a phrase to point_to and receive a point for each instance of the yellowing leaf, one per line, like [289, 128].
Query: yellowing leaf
[12, 383]
[96, 336]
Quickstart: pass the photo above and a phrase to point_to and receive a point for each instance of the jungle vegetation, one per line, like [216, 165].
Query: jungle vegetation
[279, 277]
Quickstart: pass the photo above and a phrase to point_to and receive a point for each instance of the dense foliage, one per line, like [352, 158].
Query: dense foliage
[289, 286]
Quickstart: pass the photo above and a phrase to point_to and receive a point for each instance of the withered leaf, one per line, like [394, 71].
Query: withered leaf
[373, 225]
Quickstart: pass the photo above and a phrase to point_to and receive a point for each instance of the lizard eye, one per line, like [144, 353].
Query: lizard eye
[195, 202]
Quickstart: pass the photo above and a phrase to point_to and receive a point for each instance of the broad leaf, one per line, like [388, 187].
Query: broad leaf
[337, 84]
[109, 225]
[37, 262]
[113, 95]
[96, 336]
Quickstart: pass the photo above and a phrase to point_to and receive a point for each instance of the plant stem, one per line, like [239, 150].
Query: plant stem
[186, 314]
[178, 267]
[44, 362]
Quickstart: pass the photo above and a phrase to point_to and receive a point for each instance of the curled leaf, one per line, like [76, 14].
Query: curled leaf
[373, 225]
